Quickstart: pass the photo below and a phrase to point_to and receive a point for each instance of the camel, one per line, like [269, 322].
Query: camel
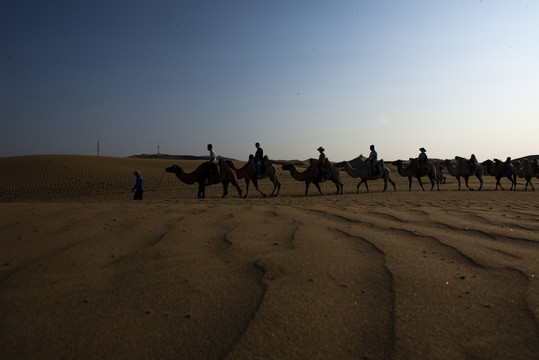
[497, 169]
[249, 173]
[412, 170]
[201, 175]
[364, 172]
[311, 175]
[526, 169]
[463, 169]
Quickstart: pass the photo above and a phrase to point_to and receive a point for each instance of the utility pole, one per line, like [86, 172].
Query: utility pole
[157, 149]
[97, 147]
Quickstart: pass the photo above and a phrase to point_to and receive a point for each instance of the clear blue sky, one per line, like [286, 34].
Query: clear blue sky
[456, 77]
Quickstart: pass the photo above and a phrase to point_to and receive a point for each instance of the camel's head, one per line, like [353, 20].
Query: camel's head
[230, 164]
[340, 164]
[488, 162]
[174, 169]
[448, 162]
[396, 162]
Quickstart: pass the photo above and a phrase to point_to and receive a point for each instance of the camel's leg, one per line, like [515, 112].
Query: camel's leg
[509, 177]
[409, 183]
[359, 184]
[337, 185]
[255, 182]
[392, 183]
[276, 185]
[385, 185]
[529, 181]
[366, 184]
[235, 183]
[307, 183]
[466, 178]
[434, 179]
[420, 183]
[498, 183]
[513, 183]
[480, 178]
[458, 179]
[246, 186]
[201, 191]
[225, 189]
[318, 187]
[431, 178]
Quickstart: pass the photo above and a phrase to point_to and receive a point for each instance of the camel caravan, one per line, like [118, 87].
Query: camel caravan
[320, 170]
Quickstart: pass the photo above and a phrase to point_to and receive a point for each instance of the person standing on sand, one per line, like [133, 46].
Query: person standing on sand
[440, 175]
[138, 188]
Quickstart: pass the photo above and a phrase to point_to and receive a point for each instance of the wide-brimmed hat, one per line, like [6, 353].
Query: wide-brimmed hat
[321, 149]
[422, 149]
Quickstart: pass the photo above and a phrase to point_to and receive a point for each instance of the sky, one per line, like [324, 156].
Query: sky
[455, 77]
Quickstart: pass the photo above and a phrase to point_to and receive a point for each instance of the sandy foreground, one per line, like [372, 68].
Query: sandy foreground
[88, 273]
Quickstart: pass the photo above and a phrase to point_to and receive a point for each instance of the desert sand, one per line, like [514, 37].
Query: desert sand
[88, 273]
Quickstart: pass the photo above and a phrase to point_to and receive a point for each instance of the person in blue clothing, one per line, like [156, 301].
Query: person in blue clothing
[138, 188]
[373, 158]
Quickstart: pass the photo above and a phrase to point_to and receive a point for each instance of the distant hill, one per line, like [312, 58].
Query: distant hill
[176, 157]
[529, 157]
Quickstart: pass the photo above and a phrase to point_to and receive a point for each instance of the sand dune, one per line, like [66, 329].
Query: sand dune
[85, 272]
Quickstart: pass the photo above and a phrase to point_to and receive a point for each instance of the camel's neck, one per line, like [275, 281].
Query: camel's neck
[452, 170]
[185, 177]
[299, 176]
[245, 169]
[491, 169]
[403, 171]
[353, 172]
